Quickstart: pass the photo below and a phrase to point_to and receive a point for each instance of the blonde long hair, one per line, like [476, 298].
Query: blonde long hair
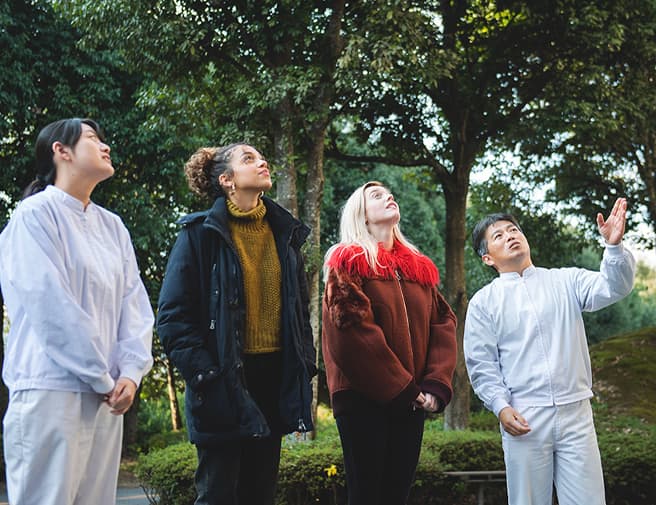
[353, 230]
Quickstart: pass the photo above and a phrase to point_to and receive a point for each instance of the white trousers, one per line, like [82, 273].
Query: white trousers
[560, 449]
[61, 448]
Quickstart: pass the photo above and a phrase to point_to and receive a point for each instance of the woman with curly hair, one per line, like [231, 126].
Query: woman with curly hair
[388, 344]
[233, 318]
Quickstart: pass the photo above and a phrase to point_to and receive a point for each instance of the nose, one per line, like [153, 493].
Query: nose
[390, 196]
[262, 162]
[105, 147]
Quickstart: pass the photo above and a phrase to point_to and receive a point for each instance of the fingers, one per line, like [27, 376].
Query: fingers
[513, 422]
[121, 398]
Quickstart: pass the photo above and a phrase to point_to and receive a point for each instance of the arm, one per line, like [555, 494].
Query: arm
[358, 346]
[36, 272]
[442, 352]
[135, 331]
[615, 279]
[180, 323]
[482, 359]
[309, 352]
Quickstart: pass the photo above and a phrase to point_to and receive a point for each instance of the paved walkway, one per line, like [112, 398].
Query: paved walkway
[125, 496]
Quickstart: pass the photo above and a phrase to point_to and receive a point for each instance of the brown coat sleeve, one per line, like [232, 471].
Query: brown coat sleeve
[442, 351]
[355, 351]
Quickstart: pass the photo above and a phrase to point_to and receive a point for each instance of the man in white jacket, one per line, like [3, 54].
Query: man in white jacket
[528, 361]
[81, 327]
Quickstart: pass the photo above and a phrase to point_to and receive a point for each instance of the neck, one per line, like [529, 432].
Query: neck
[77, 190]
[245, 201]
[517, 268]
[383, 234]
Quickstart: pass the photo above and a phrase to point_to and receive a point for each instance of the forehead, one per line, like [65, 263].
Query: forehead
[375, 189]
[240, 150]
[499, 226]
[87, 129]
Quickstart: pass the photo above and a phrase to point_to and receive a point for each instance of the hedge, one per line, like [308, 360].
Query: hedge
[313, 472]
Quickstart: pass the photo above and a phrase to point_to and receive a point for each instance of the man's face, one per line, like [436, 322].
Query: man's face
[507, 248]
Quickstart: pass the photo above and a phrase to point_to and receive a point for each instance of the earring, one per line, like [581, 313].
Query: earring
[232, 189]
[261, 195]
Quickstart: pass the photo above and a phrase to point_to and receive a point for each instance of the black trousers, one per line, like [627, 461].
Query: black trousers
[381, 449]
[245, 472]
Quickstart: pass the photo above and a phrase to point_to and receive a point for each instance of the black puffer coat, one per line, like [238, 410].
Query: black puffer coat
[201, 320]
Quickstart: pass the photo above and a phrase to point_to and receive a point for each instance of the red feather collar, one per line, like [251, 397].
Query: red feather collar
[411, 265]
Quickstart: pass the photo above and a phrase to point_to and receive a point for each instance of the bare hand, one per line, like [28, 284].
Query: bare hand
[612, 229]
[121, 397]
[430, 403]
[513, 422]
[419, 401]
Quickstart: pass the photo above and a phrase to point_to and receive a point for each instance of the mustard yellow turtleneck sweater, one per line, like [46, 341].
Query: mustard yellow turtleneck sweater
[260, 265]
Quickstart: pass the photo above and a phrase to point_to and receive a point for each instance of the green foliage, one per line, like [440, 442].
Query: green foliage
[167, 475]
[629, 467]
[623, 371]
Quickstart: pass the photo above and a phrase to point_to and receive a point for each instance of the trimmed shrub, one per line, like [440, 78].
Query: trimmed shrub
[167, 475]
[313, 472]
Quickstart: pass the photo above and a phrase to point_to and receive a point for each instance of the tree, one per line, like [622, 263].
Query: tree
[446, 81]
[48, 76]
[267, 69]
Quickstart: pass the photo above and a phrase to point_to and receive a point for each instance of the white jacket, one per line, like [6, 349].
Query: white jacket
[79, 314]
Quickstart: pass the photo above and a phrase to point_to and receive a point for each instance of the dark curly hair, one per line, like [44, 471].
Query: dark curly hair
[204, 168]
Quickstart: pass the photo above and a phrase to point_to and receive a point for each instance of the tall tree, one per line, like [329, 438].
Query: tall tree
[444, 81]
[596, 131]
[268, 68]
[49, 76]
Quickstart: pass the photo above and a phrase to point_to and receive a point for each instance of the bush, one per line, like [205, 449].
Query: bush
[167, 475]
[313, 472]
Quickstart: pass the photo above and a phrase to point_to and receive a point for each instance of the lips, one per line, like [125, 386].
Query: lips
[265, 172]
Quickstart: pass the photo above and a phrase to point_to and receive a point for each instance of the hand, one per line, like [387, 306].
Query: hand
[513, 422]
[121, 397]
[430, 403]
[612, 229]
[419, 401]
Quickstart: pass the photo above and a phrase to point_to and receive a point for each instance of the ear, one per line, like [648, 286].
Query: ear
[61, 151]
[224, 180]
[487, 259]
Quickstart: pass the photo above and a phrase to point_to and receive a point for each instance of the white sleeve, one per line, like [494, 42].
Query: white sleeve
[35, 271]
[614, 281]
[482, 359]
[135, 330]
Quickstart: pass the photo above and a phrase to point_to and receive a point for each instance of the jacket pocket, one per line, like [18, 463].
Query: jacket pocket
[213, 408]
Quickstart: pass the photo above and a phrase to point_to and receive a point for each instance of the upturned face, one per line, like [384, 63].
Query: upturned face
[380, 207]
[89, 157]
[250, 171]
[507, 248]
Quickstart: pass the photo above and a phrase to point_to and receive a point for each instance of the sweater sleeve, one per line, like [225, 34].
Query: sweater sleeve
[35, 270]
[179, 317]
[357, 346]
[442, 351]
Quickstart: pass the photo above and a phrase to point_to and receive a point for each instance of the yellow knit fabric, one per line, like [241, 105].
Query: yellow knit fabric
[260, 265]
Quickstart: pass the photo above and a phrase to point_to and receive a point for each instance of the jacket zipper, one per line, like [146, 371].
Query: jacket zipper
[405, 308]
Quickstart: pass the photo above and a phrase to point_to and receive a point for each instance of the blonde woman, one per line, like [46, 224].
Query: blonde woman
[388, 345]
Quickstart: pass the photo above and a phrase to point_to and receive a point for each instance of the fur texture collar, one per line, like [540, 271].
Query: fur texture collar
[412, 266]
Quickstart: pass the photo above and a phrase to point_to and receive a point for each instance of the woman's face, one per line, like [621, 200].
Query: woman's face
[90, 156]
[250, 171]
[380, 207]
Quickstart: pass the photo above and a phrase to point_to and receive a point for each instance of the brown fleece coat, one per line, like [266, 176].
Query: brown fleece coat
[389, 335]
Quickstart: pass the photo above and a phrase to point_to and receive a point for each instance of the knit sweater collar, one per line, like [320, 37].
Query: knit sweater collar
[252, 220]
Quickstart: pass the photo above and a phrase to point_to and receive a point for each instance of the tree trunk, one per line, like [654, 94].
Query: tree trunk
[176, 418]
[456, 415]
[283, 140]
[313, 198]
